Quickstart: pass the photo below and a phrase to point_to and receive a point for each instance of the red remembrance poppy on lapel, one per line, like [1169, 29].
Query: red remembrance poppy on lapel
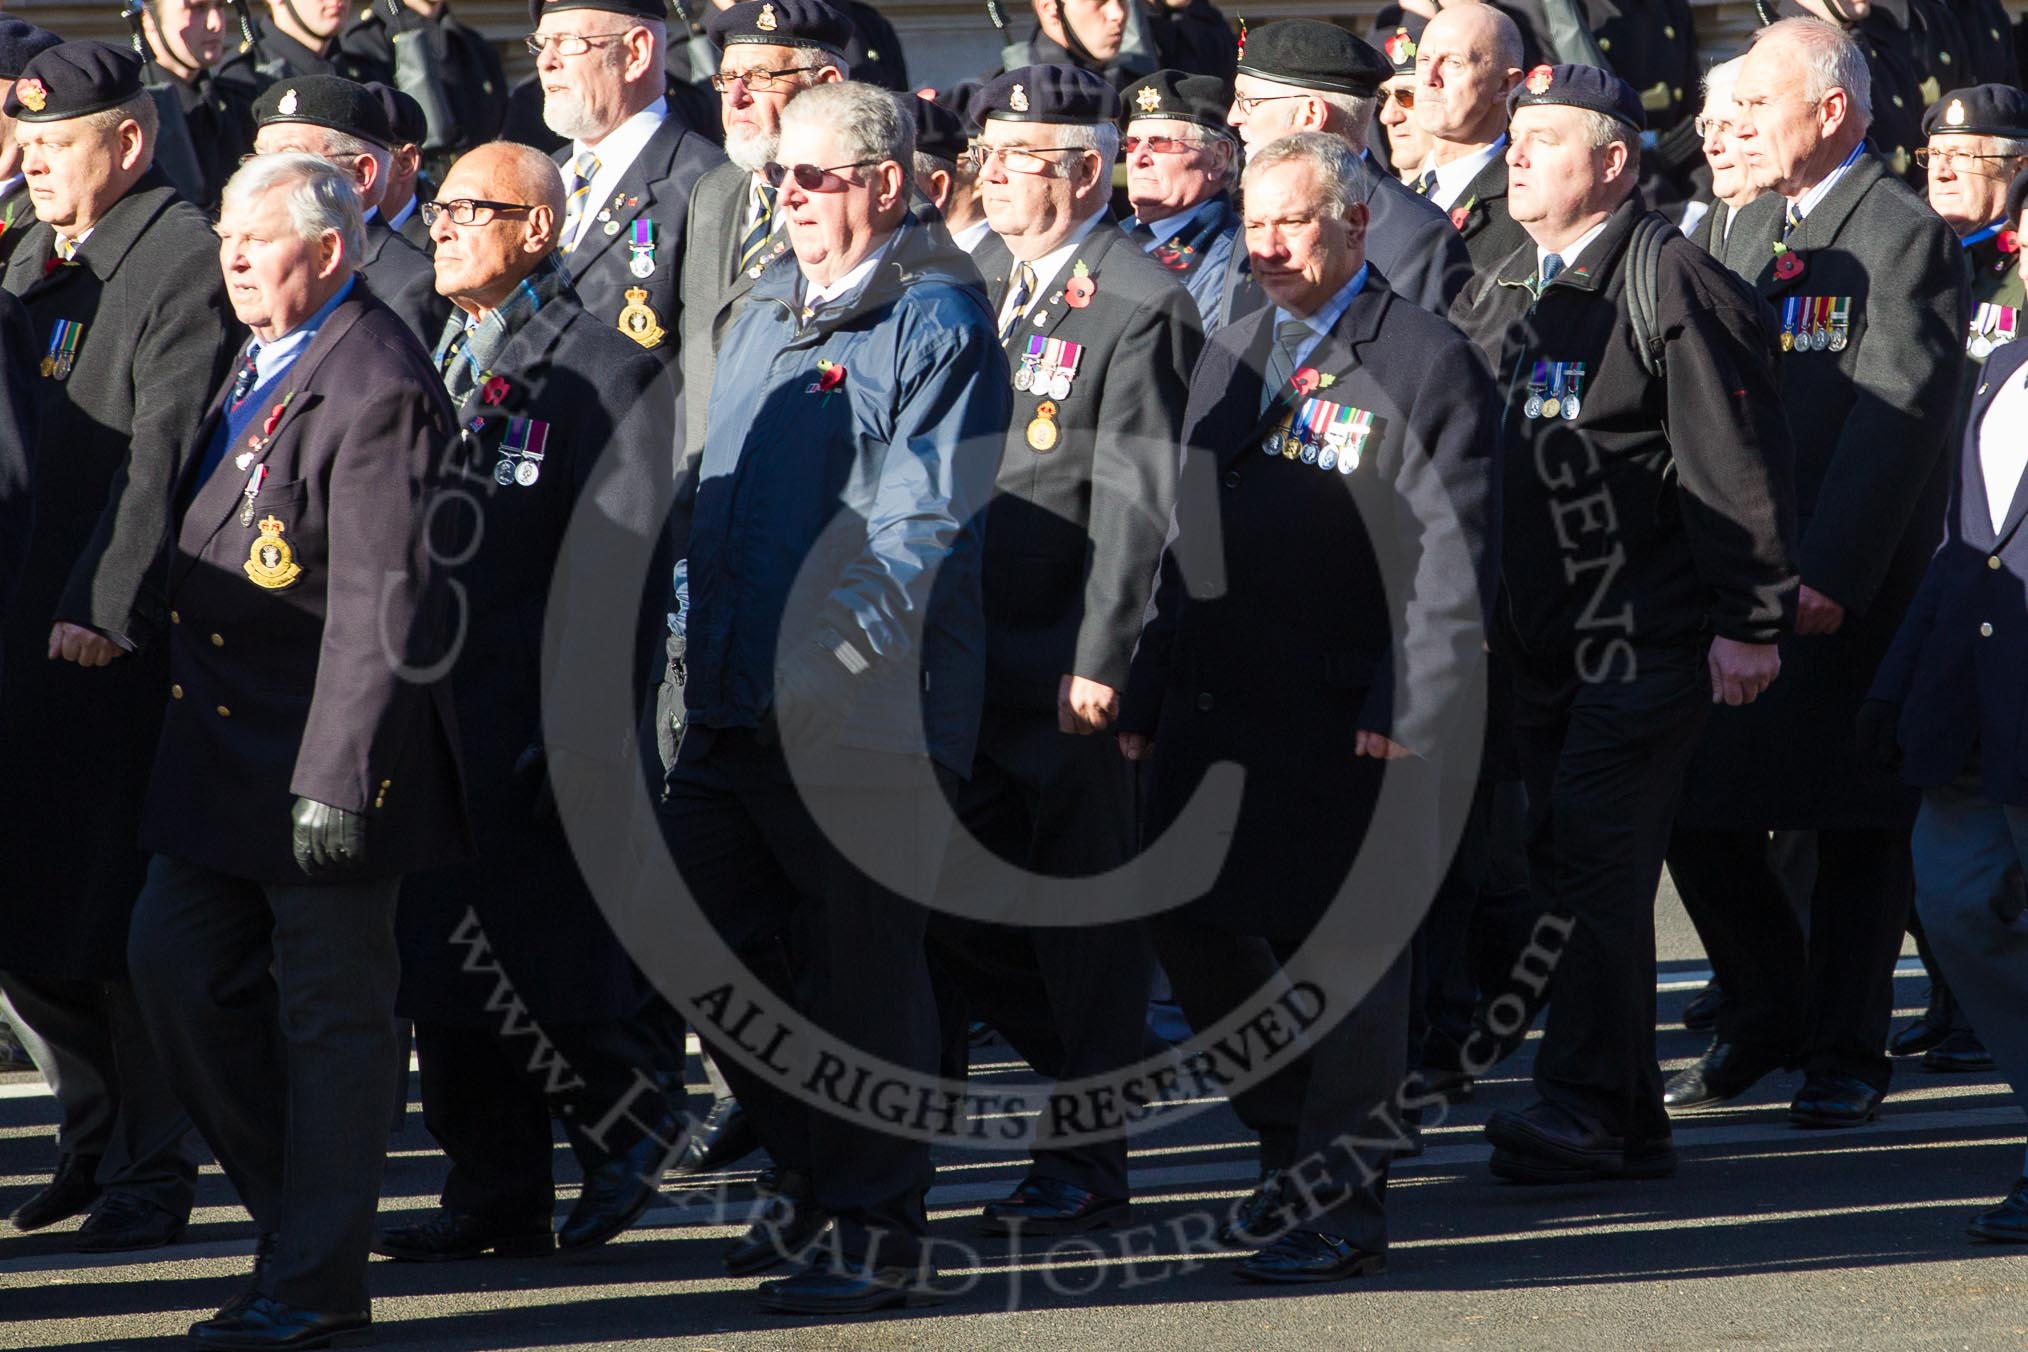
[494, 390]
[1305, 380]
[274, 418]
[1789, 265]
[830, 375]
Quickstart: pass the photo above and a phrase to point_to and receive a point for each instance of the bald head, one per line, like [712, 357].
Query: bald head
[479, 264]
[1467, 61]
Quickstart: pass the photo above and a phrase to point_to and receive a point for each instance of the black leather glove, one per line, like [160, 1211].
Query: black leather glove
[1875, 732]
[814, 683]
[329, 841]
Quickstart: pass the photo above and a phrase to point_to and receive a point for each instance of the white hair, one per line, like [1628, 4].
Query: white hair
[1719, 80]
[321, 197]
[1356, 110]
[1831, 60]
[870, 121]
[1102, 137]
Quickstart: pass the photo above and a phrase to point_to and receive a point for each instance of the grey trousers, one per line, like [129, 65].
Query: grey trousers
[1970, 886]
[273, 1008]
[87, 1039]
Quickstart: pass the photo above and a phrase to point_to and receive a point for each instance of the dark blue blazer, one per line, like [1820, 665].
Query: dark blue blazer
[1958, 667]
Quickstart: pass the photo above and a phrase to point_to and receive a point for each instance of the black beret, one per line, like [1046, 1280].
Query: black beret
[1314, 55]
[73, 79]
[1399, 46]
[963, 99]
[1587, 87]
[325, 101]
[638, 9]
[1067, 94]
[939, 132]
[2017, 192]
[405, 117]
[1203, 99]
[20, 43]
[785, 23]
[1982, 110]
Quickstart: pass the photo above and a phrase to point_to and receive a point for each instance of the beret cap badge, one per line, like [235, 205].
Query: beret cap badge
[1955, 114]
[1018, 100]
[287, 104]
[1401, 47]
[767, 21]
[1150, 98]
[1539, 80]
[32, 95]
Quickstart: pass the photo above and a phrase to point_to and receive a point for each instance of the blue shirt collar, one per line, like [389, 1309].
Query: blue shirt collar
[1331, 311]
[271, 357]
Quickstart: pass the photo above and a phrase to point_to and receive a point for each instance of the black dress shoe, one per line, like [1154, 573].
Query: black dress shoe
[1049, 1206]
[264, 1252]
[70, 1191]
[1724, 1072]
[724, 1138]
[1938, 1020]
[618, 1191]
[2006, 1223]
[1701, 1014]
[785, 1229]
[1545, 1143]
[1830, 1100]
[1311, 1256]
[448, 1236]
[1260, 1216]
[265, 1322]
[1959, 1053]
[123, 1222]
[826, 1288]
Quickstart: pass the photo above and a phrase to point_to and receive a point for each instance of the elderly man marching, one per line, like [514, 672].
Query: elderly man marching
[1182, 162]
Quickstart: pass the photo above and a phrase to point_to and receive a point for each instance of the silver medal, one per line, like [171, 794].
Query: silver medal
[1059, 384]
[503, 473]
[1328, 460]
[1023, 378]
[1570, 408]
[1533, 408]
[1982, 347]
[527, 472]
[642, 266]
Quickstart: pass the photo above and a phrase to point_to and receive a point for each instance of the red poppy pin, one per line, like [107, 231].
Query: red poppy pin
[274, 419]
[1078, 291]
[494, 390]
[1788, 265]
[830, 375]
[1305, 380]
[1242, 39]
[1540, 79]
[1459, 215]
[2009, 241]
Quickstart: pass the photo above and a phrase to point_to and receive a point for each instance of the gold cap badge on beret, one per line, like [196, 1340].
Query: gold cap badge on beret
[287, 105]
[766, 21]
[1539, 78]
[1018, 100]
[32, 95]
[1955, 114]
[1149, 98]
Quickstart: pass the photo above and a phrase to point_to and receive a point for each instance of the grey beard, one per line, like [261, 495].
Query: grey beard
[751, 150]
[565, 114]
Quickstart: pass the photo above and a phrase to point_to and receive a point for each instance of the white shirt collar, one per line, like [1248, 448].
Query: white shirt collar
[617, 153]
[1809, 200]
[820, 295]
[1574, 250]
[1055, 261]
[972, 236]
[1452, 179]
[8, 185]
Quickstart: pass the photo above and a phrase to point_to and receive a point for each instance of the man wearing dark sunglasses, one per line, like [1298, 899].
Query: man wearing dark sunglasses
[1101, 339]
[1181, 164]
[631, 164]
[836, 642]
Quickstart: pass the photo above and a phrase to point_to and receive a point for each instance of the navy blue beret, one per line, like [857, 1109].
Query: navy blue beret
[1314, 55]
[939, 132]
[786, 23]
[1982, 110]
[73, 79]
[1064, 94]
[1586, 87]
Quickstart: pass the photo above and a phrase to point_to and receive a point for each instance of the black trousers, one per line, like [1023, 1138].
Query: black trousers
[841, 948]
[88, 1040]
[1329, 1091]
[272, 1006]
[488, 1100]
[1826, 1000]
[1071, 1000]
[1604, 766]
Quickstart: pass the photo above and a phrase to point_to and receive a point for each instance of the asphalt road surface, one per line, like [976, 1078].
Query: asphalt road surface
[1768, 1238]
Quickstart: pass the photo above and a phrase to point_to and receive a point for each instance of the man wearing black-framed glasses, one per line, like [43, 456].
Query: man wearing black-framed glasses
[631, 164]
[543, 390]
